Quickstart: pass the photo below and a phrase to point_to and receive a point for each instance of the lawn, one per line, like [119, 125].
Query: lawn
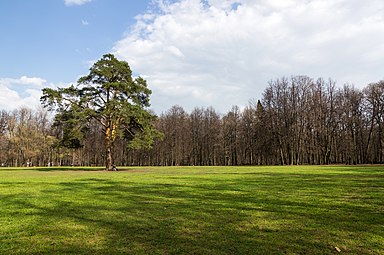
[193, 210]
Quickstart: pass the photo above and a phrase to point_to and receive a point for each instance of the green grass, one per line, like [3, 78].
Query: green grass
[193, 210]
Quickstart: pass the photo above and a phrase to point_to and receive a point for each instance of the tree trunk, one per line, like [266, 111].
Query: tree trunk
[108, 147]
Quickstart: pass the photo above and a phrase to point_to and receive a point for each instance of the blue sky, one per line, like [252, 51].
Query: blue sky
[194, 53]
[55, 41]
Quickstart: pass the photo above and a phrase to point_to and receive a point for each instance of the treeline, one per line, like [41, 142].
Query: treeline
[25, 138]
[299, 120]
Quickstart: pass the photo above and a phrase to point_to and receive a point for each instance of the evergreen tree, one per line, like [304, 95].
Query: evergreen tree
[109, 95]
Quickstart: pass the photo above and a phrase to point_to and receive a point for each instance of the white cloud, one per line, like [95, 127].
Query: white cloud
[9, 99]
[76, 2]
[34, 81]
[84, 22]
[223, 52]
[25, 91]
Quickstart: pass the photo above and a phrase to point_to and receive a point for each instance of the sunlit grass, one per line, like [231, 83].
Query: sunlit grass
[193, 210]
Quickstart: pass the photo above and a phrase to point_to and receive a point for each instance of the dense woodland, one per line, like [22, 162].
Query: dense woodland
[299, 120]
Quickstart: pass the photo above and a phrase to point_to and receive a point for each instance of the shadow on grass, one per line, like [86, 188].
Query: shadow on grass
[52, 168]
[66, 168]
[270, 214]
[74, 168]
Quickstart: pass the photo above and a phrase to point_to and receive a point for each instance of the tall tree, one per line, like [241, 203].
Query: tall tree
[3, 139]
[374, 95]
[109, 95]
[230, 131]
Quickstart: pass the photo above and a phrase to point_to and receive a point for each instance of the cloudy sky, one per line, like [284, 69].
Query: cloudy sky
[192, 52]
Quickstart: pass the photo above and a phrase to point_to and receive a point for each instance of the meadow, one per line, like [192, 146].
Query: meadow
[193, 210]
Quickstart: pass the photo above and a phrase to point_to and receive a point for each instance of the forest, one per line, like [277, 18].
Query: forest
[298, 120]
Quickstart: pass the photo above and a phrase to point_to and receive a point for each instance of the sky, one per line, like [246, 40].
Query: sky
[193, 53]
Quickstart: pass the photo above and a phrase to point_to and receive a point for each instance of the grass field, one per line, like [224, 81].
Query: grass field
[193, 210]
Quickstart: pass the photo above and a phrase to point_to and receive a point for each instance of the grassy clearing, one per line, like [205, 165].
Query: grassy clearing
[193, 210]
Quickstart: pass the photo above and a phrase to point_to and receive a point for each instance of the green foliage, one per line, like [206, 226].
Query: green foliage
[139, 131]
[110, 96]
[72, 128]
[192, 210]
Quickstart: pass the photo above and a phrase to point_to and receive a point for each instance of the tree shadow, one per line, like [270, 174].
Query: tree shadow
[65, 168]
